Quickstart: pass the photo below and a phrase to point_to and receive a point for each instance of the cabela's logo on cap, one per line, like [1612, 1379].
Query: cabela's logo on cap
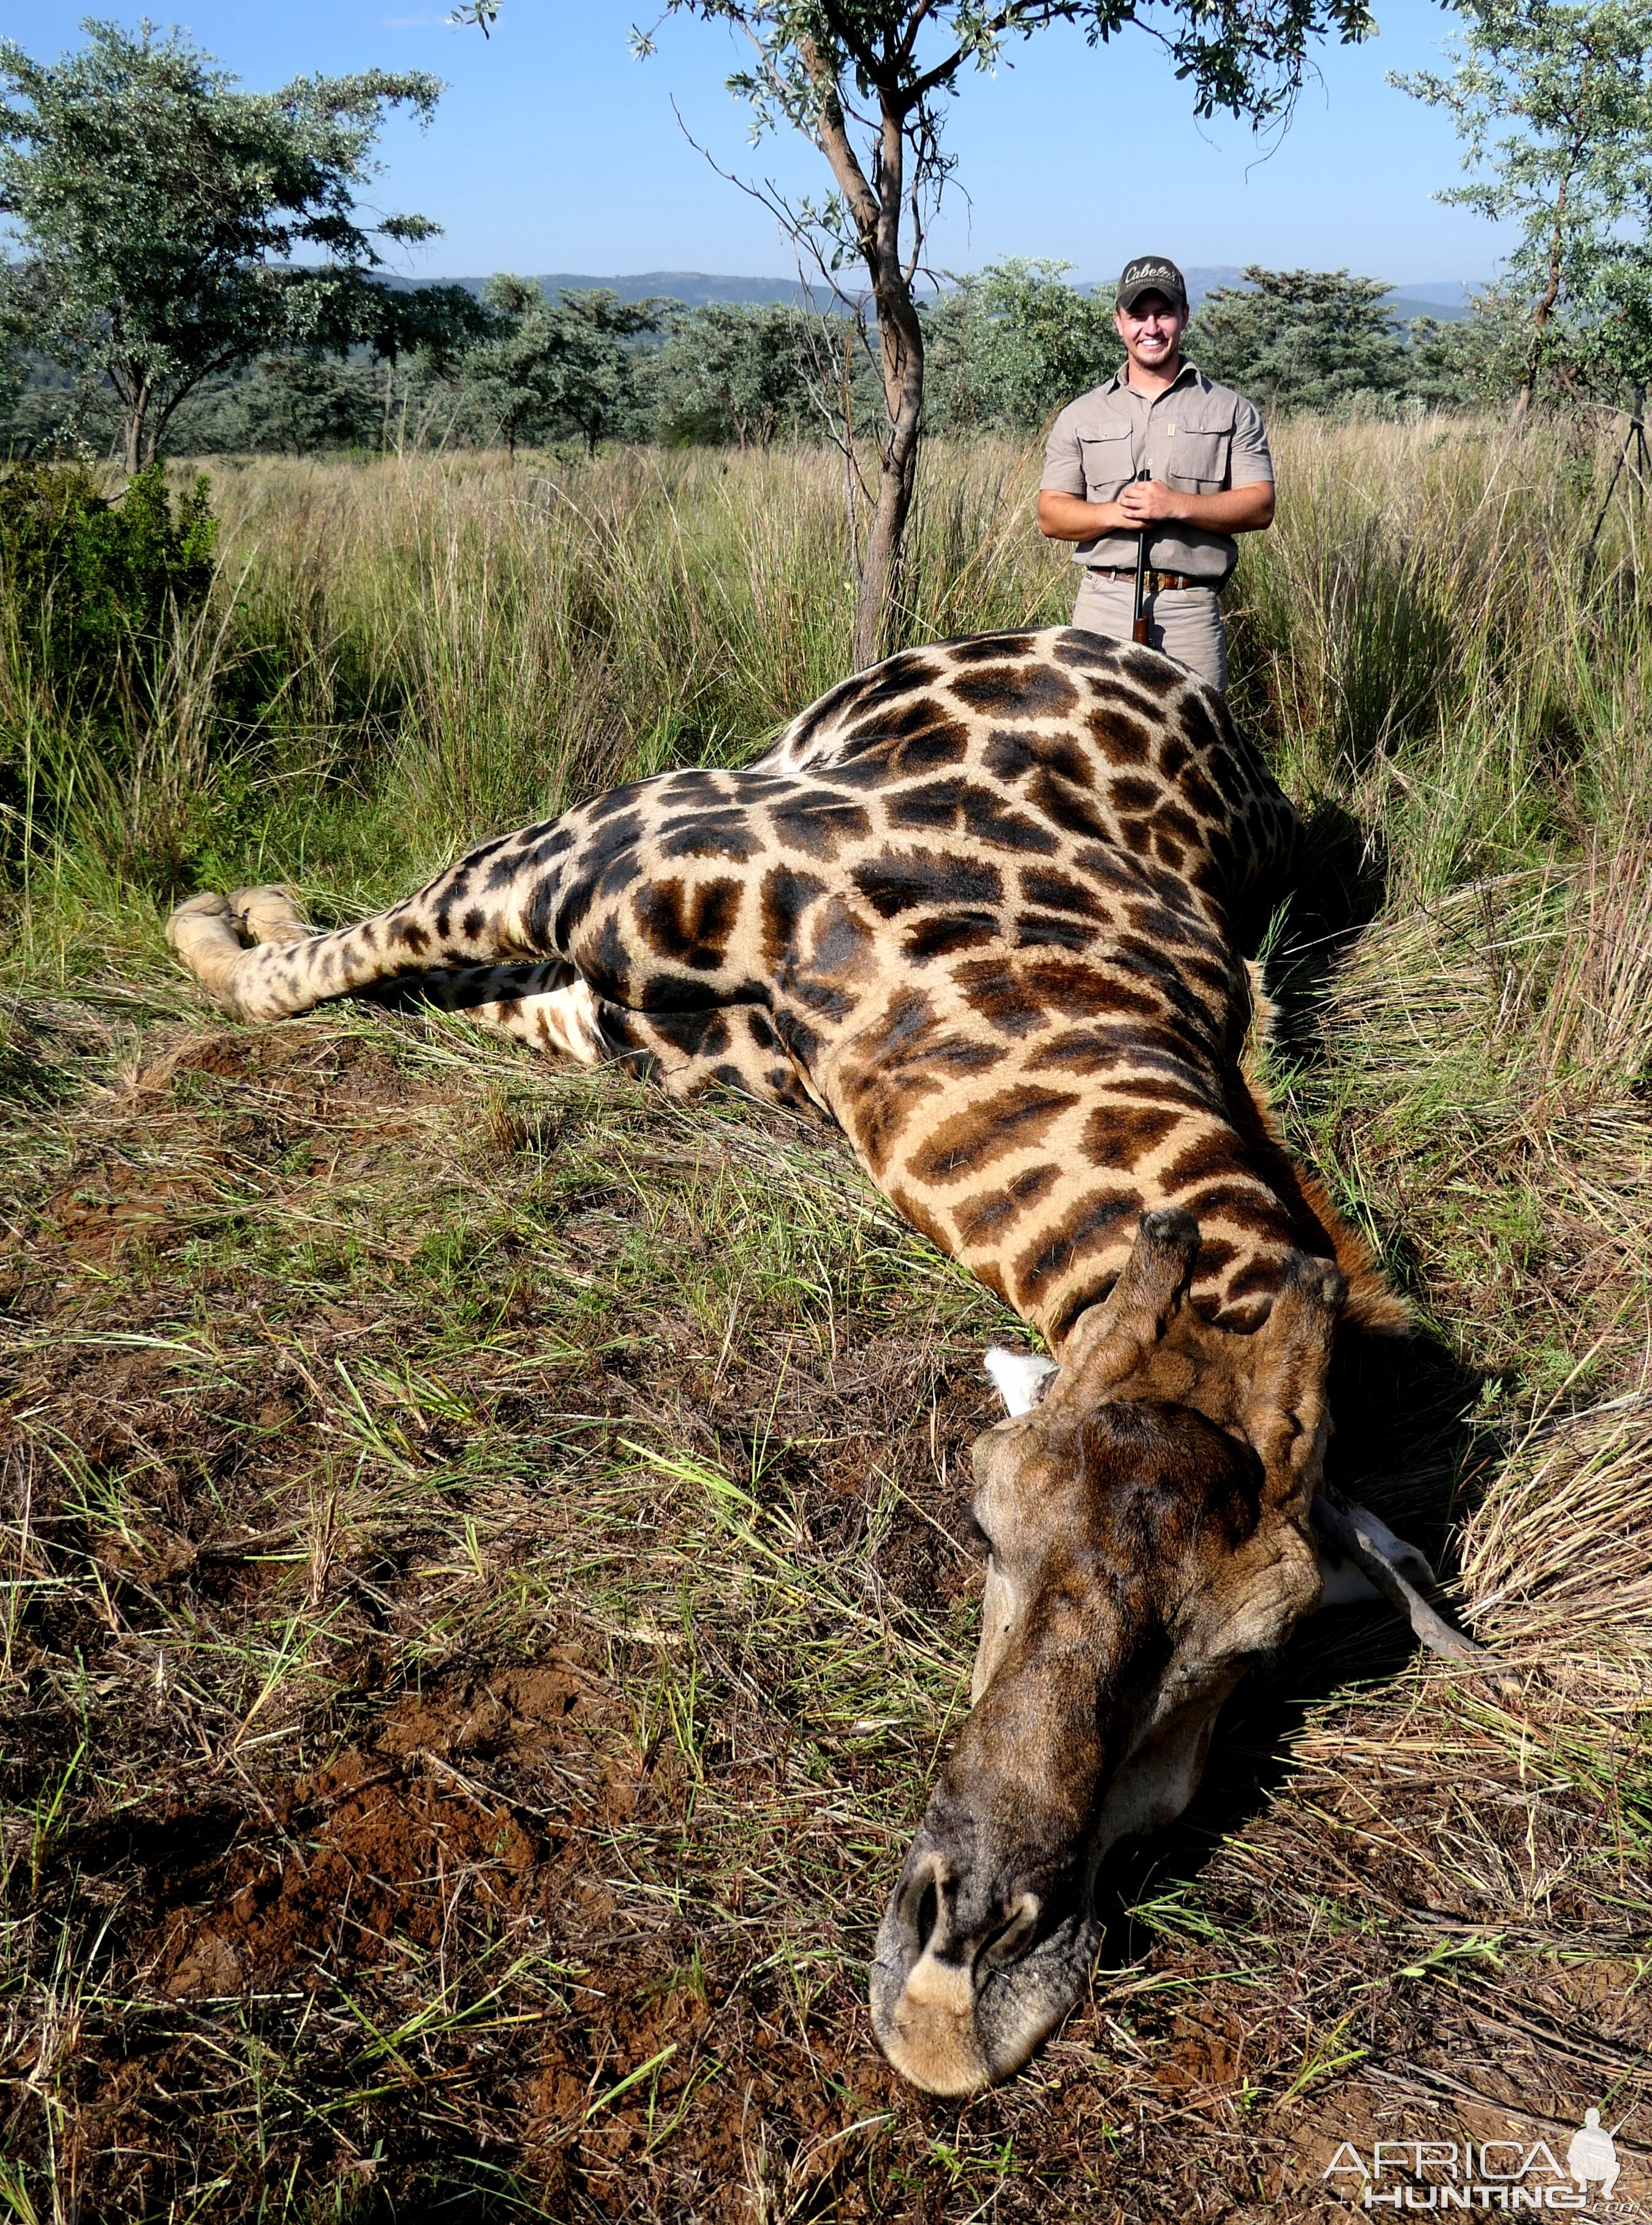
[1151, 273]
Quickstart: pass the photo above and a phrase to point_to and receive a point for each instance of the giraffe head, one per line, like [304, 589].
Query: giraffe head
[1147, 1522]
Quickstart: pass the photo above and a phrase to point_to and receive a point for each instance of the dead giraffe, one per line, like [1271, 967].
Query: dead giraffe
[984, 905]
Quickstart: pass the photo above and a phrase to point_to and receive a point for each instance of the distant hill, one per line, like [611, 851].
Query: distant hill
[1444, 299]
[693, 287]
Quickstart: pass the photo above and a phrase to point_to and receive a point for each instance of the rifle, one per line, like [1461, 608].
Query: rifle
[1139, 621]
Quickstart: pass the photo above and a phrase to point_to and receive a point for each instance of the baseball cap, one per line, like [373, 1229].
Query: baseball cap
[1150, 274]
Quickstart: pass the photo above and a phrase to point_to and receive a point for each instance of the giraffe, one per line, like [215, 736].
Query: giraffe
[985, 906]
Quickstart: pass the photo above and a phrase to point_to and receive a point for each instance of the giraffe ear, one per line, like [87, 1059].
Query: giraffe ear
[1020, 1377]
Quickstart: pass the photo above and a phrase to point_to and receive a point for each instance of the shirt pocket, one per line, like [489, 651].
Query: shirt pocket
[1108, 465]
[1201, 458]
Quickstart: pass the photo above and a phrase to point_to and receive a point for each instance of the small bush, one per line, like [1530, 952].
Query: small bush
[87, 580]
[111, 672]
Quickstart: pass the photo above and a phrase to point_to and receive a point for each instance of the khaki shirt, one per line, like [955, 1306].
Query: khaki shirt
[1196, 436]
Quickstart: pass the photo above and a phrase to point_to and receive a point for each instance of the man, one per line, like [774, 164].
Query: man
[1161, 450]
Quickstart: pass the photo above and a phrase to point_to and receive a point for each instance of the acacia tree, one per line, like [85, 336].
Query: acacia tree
[1304, 339]
[1569, 87]
[866, 82]
[504, 375]
[159, 210]
[1009, 344]
[740, 371]
[556, 366]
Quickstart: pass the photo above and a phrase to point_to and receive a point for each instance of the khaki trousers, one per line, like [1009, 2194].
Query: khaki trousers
[1185, 623]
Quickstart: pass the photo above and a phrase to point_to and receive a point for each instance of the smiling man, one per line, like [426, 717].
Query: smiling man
[1163, 450]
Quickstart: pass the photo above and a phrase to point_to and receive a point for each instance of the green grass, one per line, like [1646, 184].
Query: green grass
[483, 1583]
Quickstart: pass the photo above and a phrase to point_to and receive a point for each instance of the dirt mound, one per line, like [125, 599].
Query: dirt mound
[373, 1851]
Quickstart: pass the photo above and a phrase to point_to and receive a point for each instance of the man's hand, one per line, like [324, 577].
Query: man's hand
[1151, 502]
[1145, 502]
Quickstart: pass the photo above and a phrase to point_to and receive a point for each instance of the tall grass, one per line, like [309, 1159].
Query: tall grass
[424, 648]
[497, 640]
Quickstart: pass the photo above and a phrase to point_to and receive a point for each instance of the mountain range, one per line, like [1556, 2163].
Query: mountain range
[1444, 298]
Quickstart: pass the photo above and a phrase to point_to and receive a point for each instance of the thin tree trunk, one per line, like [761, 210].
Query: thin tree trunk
[1544, 310]
[1545, 307]
[138, 442]
[900, 338]
[880, 569]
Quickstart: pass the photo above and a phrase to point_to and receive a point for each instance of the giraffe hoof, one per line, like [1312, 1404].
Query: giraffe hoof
[268, 914]
[202, 933]
[184, 924]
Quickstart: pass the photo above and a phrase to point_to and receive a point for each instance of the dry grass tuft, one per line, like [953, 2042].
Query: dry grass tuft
[1597, 1023]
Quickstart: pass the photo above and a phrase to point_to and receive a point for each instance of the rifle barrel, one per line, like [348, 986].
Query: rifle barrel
[1139, 621]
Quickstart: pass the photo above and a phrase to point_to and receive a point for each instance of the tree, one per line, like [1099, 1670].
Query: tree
[296, 404]
[742, 372]
[557, 366]
[1612, 351]
[1462, 360]
[502, 376]
[1574, 169]
[1011, 343]
[866, 81]
[1300, 339]
[160, 209]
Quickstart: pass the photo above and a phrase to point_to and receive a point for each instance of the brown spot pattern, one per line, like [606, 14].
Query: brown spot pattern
[982, 903]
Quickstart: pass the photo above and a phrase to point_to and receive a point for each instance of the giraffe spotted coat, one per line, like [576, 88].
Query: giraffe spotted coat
[984, 905]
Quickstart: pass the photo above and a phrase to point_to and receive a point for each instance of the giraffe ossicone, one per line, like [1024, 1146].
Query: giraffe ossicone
[987, 907]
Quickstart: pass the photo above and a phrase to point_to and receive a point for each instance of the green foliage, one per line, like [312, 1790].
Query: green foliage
[1248, 61]
[89, 582]
[745, 373]
[1004, 347]
[1299, 340]
[557, 367]
[1554, 104]
[1457, 361]
[1610, 347]
[160, 210]
[111, 685]
[1013, 342]
[292, 405]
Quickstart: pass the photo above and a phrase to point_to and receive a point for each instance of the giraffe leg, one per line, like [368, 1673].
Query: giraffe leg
[202, 933]
[552, 1006]
[548, 1006]
[455, 922]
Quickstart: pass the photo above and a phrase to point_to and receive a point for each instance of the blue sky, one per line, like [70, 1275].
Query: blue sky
[554, 150]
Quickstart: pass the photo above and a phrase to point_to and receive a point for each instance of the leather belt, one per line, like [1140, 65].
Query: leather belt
[1157, 583]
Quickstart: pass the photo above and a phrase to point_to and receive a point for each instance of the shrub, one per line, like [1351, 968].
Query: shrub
[87, 580]
[109, 666]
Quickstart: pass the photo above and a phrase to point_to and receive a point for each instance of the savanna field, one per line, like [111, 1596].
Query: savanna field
[486, 1577]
